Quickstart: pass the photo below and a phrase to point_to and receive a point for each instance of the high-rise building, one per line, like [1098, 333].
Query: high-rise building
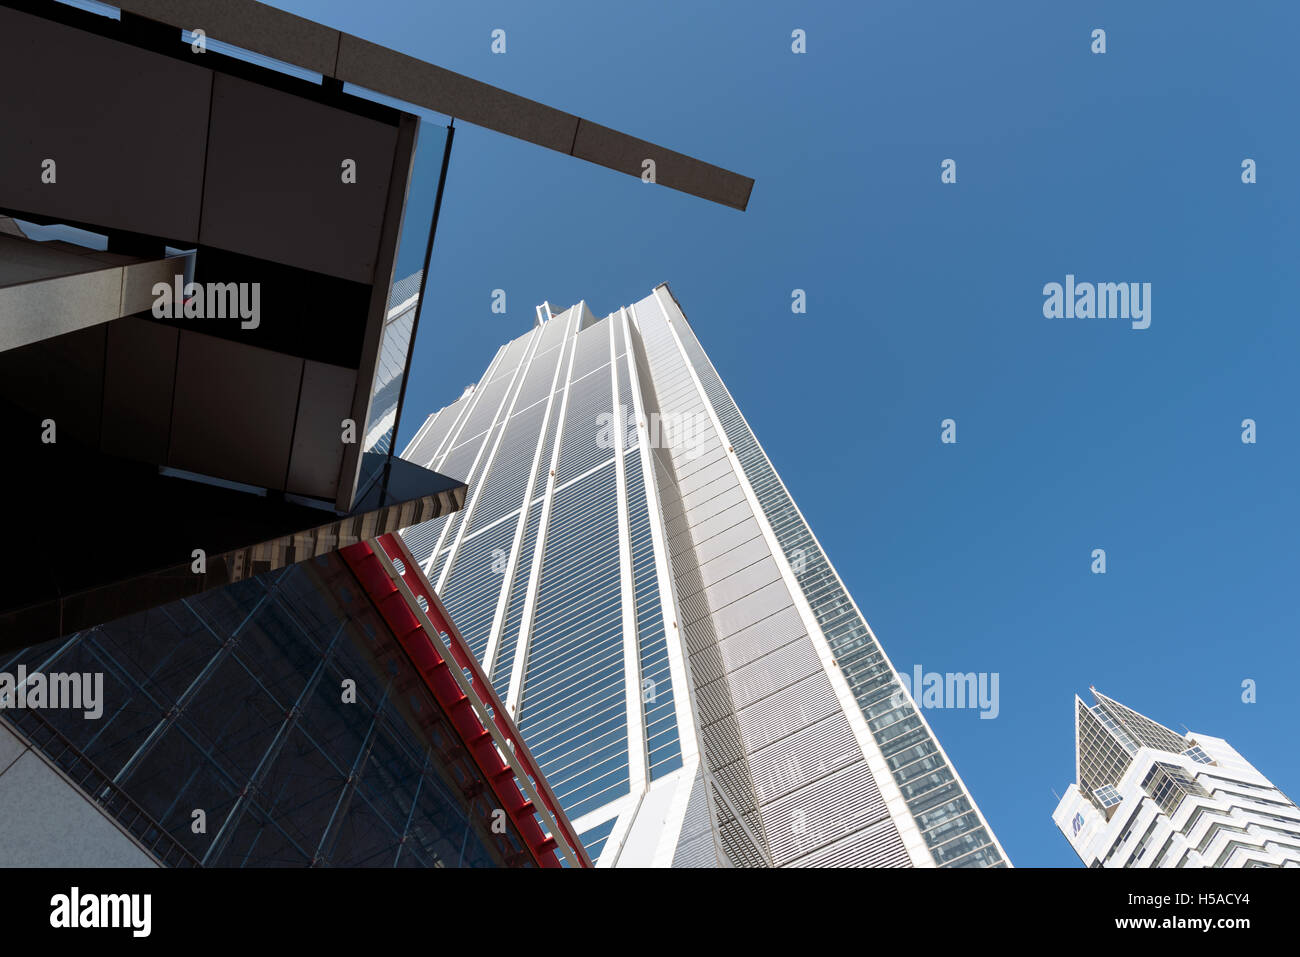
[1145, 796]
[688, 669]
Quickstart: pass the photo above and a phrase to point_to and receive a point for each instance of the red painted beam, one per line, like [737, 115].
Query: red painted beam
[437, 677]
[396, 550]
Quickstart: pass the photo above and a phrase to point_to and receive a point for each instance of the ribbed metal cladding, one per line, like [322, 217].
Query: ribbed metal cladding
[936, 798]
[719, 733]
[869, 848]
[696, 846]
[759, 754]
[405, 289]
[735, 838]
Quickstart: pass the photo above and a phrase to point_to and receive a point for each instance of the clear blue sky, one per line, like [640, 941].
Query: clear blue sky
[925, 302]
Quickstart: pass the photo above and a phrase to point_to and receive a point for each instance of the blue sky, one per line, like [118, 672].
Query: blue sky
[925, 302]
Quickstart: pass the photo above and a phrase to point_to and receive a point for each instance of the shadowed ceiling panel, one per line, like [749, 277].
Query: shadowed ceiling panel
[234, 410]
[326, 400]
[139, 373]
[126, 129]
[275, 185]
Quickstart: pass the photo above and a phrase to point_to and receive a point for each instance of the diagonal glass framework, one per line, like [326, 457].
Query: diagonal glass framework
[236, 704]
[1109, 736]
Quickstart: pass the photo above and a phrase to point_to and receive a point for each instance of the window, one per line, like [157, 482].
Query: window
[1168, 784]
[1142, 844]
[1107, 796]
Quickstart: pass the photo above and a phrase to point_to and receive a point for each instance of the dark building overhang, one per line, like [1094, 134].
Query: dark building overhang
[95, 537]
[242, 165]
[236, 429]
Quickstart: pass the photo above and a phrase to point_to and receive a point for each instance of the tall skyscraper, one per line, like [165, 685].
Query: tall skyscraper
[689, 671]
[1147, 797]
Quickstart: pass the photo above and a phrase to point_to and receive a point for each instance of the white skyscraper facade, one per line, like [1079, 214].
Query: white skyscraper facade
[687, 668]
[1147, 797]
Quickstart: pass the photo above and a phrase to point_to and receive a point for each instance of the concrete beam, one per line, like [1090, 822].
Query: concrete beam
[48, 289]
[341, 56]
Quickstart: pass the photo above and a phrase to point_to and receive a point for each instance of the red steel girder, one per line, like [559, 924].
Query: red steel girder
[461, 712]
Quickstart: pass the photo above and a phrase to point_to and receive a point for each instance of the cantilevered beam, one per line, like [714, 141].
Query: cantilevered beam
[50, 288]
[348, 59]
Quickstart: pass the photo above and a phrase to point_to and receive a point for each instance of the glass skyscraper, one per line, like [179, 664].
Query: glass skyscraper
[689, 671]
